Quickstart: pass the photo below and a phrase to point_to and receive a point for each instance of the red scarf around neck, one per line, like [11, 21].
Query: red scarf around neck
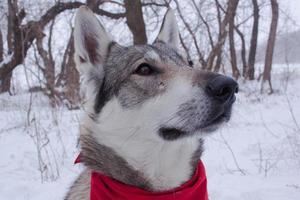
[106, 188]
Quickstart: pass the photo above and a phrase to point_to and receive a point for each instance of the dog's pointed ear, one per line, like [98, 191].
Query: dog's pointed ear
[91, 40]
[169, 33]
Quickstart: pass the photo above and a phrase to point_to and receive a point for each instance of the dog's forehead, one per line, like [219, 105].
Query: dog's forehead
[158, 52]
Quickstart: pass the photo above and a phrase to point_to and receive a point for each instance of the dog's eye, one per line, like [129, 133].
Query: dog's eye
[144, 69]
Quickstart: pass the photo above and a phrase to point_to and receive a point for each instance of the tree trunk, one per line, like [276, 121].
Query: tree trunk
[270, 46]
[235, 70]
[12, 22]
[218, 62]
[5, 86]
[217, 66]
[11, 6]
[253, 42]
[135, 21]
[72, 78]
[1, 47]
[243, 51]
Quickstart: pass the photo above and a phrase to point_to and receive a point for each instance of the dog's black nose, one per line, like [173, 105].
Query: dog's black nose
[222, 88]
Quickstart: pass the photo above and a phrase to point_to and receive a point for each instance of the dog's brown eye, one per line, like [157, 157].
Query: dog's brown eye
[144, 69]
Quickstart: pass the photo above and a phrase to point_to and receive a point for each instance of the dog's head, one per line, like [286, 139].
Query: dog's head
[150, 88]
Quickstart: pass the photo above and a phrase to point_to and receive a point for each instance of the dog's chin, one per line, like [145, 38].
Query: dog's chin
[214, 124]
[173, 133]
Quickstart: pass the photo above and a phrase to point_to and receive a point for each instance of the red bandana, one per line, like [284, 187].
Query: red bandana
[106, 188]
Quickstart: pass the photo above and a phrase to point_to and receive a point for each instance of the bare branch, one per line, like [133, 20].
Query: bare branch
[201, 57]
[222, 33]
[185, 47]
[114, 2]
[58, 8]
[205, 23]
[99, 11]
[153, 3]
[233, 156]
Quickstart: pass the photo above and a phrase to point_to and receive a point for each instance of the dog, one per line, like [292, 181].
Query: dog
[147, 110]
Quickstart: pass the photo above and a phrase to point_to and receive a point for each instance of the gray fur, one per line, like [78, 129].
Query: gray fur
[80, 190]
[100, 158]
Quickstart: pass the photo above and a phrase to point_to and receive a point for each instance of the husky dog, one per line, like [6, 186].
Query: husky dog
[146, 109]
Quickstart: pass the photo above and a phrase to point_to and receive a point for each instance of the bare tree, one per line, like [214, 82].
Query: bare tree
[232, 11]
[270, 46]
[253, 43]
[190, 31]
[14, 18]
[243, 50]
[23, 36]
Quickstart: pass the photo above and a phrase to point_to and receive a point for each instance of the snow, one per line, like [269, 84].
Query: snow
[255, 156]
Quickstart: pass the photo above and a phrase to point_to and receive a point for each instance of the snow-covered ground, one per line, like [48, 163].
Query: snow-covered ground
[255, 156]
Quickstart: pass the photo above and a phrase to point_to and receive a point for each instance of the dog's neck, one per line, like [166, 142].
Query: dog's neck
[151, 165]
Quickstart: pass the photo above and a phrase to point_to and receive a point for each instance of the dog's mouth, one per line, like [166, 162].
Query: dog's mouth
[214, 123]
[172, 133]
[220, 117]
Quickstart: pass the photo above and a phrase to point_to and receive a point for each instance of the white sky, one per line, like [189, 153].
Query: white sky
[294, 7]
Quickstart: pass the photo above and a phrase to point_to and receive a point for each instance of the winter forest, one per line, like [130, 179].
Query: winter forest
[257, 42]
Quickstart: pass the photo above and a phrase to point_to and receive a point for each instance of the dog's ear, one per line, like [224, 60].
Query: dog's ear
[91, 41]
[169, 33]
[92, 46]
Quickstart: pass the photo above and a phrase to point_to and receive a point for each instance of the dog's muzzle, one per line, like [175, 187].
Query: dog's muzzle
[221, 92]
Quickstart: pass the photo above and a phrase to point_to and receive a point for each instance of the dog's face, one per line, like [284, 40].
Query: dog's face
[150, 88]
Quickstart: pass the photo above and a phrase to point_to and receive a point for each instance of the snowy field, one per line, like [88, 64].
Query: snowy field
[254, 157]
